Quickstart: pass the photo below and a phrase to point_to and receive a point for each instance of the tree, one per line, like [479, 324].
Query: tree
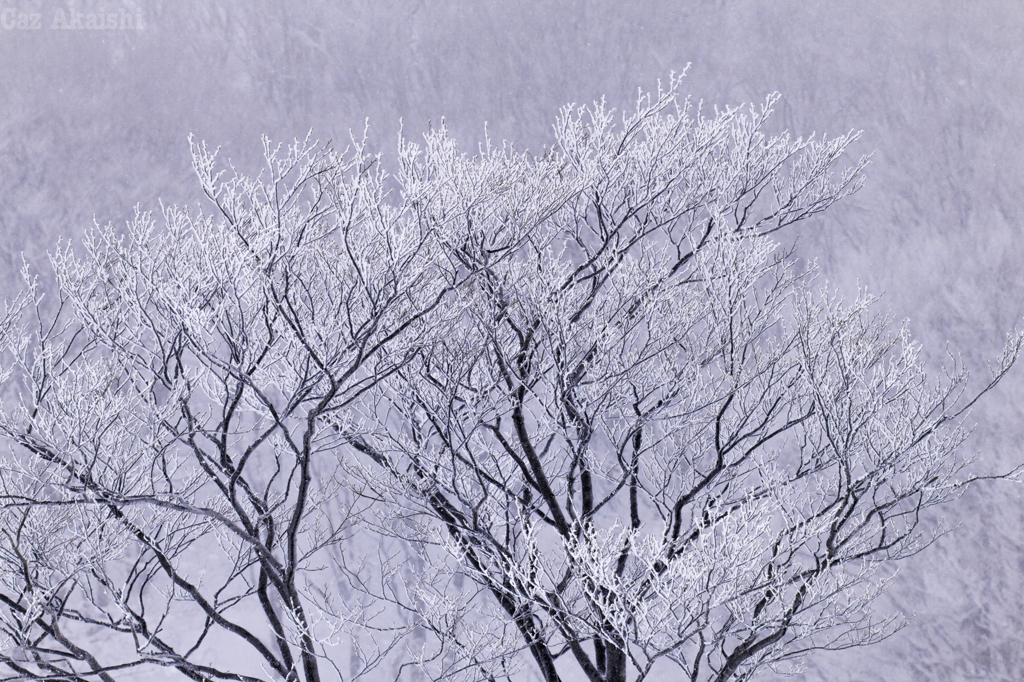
[589, 383]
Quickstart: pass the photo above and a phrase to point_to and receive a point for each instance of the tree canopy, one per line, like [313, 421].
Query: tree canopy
[486, 415]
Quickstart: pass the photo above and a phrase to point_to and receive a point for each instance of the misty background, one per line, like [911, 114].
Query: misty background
[94, 122]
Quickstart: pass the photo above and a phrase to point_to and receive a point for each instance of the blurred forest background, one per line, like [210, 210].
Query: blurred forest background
[94, 122]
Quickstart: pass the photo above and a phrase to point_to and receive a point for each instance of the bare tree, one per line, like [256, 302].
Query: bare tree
[164, 487]
[588, 383]
[647, 437]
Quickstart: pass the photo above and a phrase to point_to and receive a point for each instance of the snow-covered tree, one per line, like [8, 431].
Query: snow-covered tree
[590, 412]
